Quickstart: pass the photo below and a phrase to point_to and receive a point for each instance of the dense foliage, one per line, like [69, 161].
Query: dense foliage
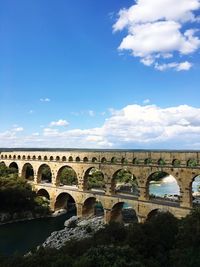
[161, 241]
[16, 195]
[68, 176]
[95, 179]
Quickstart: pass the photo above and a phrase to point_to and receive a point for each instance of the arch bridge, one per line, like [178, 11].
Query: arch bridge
[184, 166]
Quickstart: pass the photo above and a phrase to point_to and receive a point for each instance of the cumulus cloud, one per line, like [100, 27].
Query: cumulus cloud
[134, 126]
[59, 123]
[155, 31]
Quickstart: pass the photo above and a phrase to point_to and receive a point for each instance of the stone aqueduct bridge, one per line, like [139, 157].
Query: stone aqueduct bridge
[184, 166]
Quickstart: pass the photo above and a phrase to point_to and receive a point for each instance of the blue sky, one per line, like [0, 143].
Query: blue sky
[64, 82]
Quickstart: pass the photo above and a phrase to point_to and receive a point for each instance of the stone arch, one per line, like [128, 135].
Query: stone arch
[29, 157]
[10, 157]
[91, 207]
[123, 181]
[2, 163]
[51, 158]
[113, 160]
[161, 162]
[6, 156]
[13, 165]
[39, 157]
[124, 161]
[162, 185]
[78, 159]
[65, 201]
[45, 158]
[43, 193]
[14, 157]
[121, 212]
[64, 158]
[88, 207]
[192, 163]
[154, 213]
[103, 160]
[93, 179]
[23, 157]
[194, 191]
[57, 158]
[94, 159]
[135, 161]
[70, 159]
[147, 161]
[28, 172]
[85, 159]
[1, 156]
[19, 157]
[34, 157]
[176, 163]
[44, 174]
[69, 176]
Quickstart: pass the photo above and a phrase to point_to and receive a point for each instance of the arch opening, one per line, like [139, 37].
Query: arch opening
[70, 159]
[124, 182]
[28, 172]
[14, 167]
[43, 193]
[94, 180]
[153, 213]
[103, 160]
[92, 207]
[85, 159]
[65, 201]
[192, 163]
[67, 176]
[44, 174]
[2, 164]
[163, 186]
[195, 191]
[94, 159]
[123, 212]
[78, 159]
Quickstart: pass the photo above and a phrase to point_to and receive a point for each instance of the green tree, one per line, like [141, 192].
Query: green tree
[68, 176]
[95, 179]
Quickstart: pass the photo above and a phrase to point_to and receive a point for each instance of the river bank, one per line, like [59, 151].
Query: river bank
[75, 229]
[9, 218]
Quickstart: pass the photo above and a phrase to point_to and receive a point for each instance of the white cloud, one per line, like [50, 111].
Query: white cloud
[46, 99]
[174, 65]
[155, 30]
[18, 129]
[59, 123]
[134, 126]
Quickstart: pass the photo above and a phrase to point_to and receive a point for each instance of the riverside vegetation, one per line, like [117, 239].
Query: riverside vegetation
[17, 199]
[163, 241]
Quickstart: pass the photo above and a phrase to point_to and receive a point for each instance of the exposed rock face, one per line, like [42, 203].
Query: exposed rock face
[75, 228]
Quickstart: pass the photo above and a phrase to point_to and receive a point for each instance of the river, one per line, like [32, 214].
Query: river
[21, 237]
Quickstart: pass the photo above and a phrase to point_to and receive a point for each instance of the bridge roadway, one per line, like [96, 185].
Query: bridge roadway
[184, 166]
